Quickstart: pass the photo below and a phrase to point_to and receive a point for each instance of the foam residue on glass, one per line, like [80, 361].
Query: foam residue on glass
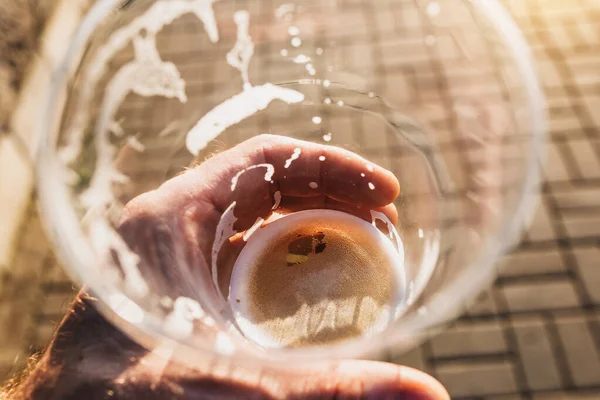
[257, 224]
[134, 143]
[268, 174]
[295, 155]
[239, 57]
[223, 232]
[433, 9]
[105, 240]
[152, 21]
[180, 321]
[277, 198]
[301, 59]
[225, 227]
[285, 11]
[224, 344]
[146, 75]
[234, 110]
[243, 105]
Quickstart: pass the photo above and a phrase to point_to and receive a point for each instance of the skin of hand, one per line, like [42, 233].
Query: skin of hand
[89, 358]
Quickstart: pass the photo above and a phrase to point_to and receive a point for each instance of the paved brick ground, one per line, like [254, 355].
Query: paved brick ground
[536, 333]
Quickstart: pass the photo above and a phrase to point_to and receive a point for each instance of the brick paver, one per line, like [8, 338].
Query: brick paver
[535, 349]
[580, 350]
[472, 379]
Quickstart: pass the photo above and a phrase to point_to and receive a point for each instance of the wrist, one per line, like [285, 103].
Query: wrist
[86, 354]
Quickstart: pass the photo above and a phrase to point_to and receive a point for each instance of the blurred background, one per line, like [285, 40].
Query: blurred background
[534, 335]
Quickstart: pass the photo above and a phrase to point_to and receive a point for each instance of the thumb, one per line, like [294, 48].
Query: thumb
[354, 379]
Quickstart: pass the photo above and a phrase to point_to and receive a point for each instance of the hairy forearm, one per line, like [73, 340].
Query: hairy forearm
[86, 355]
[90, 359]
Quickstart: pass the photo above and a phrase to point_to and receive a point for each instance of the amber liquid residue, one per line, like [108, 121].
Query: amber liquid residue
[319, 284]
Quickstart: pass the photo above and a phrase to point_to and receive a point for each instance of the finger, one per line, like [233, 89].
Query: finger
[338, 176]
[208, 187]
[369, 380]
[331, 171]
[349, 379]
[293, 204]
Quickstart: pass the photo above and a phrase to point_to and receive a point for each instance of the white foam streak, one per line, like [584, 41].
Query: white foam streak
[135, 144]
[295, 155]
[268, 174]
[257, 224]
[105, 239]
[160, 14]
[277, 197]
[180, 322]
[234, 110]
[224, 232]
[146, 75]
[239, 57]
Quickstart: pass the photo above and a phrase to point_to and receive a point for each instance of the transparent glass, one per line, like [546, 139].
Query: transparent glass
[442, 94]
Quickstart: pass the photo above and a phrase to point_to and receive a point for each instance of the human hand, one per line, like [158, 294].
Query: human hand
[90, 358]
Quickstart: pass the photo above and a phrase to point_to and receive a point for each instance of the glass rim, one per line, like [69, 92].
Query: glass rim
[61, 222]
